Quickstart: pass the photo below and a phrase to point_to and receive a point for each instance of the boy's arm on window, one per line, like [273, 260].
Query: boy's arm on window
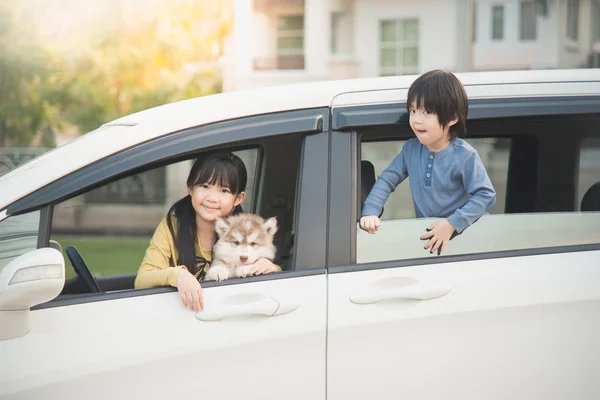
[483, 195]
[386, 183]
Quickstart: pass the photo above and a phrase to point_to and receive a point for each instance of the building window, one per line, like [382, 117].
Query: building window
[497, 22]
[528, 20]
[399, 47]
[290, 43]
[341, 33]
[573, 19]
[290, 35]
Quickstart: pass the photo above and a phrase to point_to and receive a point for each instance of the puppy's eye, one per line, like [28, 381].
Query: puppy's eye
[253, 244]
[236, 243]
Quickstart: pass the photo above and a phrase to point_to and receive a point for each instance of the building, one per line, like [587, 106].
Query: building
[289, 41]
[536, 34]
[279, 41]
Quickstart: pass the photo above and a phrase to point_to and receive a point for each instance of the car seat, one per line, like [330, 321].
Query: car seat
[591, 198]
[367, 180]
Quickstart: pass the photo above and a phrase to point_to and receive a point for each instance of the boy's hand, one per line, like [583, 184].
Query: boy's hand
[439, 234]
[370, 223]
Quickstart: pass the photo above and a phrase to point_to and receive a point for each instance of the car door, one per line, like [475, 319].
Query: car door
[512, 310]
[258, 338]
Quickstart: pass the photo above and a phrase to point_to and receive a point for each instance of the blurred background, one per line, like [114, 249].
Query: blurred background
[68, 66]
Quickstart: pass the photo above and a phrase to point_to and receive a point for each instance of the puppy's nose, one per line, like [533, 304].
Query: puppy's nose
[243, 258]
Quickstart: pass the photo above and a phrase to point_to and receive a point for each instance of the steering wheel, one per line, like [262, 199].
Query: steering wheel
[82, 269]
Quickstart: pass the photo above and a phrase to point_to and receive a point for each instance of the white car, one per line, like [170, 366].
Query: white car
[510, 311]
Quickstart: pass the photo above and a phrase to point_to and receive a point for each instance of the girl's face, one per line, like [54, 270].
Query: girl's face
[212, 201]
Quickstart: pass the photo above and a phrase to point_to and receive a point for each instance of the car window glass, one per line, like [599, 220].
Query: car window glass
[539, 217]
[111, 226]
[18, 235]
[493, 152]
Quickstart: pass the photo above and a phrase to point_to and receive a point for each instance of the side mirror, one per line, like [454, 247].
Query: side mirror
[30, 279]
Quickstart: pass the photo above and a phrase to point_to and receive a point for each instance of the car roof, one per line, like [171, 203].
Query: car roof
[146, 125]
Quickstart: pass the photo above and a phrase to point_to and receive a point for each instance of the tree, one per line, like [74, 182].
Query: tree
[128, 66]
[25, 69]
[138, 65]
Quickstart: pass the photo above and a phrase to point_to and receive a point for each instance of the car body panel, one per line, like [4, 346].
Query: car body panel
[518, 327]
[150, 347]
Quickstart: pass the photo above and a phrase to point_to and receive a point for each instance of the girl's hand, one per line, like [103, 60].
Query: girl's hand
[370, 223]
[440, 233]
[263, 266]
[190, 290]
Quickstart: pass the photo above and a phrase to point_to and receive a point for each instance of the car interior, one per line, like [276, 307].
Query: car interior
[544, 158]
[276, 185]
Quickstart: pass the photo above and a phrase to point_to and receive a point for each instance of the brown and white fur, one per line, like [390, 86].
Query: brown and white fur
[243, 239]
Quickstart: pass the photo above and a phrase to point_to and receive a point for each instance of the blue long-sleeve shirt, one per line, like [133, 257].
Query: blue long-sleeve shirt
[451, 183]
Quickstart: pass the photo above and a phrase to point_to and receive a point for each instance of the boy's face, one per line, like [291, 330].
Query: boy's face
[426, 126]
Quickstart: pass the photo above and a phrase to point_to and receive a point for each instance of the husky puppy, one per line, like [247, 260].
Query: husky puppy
[243, 240]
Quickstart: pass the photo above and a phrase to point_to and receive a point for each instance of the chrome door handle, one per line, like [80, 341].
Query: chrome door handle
[416, 291]
[266, 307]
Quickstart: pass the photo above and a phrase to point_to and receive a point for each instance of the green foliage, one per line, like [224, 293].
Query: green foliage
[105, 255]
[25, 68]
[132, 66]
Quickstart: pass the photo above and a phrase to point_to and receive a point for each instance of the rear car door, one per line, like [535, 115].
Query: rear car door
[513, 308]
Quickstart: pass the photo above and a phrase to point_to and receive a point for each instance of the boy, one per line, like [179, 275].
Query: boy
[448, 179]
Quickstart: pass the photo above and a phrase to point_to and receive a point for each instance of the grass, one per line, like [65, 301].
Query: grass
[105, 255]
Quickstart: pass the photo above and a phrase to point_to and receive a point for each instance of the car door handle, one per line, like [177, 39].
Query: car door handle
[416, 291]
[266, 307]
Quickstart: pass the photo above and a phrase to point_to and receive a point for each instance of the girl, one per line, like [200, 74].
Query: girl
[181, 249]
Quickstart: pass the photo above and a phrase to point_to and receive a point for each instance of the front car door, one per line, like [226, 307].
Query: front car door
[143, 344]
[513, 309]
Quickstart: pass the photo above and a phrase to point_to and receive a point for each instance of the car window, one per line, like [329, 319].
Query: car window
[18, 235]
[493, 152]
[538, 199]
[111, 226]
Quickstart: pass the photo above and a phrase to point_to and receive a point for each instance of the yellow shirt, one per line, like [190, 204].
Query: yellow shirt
[161, 255]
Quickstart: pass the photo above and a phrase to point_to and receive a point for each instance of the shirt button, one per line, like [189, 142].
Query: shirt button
[429, 175]
[428, 165]
[431, 157]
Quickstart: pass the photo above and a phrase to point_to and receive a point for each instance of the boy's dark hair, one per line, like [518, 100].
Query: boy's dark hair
[442, 93]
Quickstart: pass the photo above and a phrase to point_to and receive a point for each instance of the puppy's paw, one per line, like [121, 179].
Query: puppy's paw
[242, 271]
[217, 273]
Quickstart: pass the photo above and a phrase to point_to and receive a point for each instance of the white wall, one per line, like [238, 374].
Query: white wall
[551, 49]
[510, 52]
[573, 54]
[437, 32]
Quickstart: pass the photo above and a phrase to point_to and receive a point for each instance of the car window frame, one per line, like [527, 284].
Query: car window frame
[346, 123]
[309, 256]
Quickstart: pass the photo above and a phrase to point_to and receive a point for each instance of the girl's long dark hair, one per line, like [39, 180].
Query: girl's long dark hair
[223, 168]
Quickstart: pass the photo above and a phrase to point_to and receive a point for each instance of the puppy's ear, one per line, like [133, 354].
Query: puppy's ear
[222, 226]
[270, 225]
